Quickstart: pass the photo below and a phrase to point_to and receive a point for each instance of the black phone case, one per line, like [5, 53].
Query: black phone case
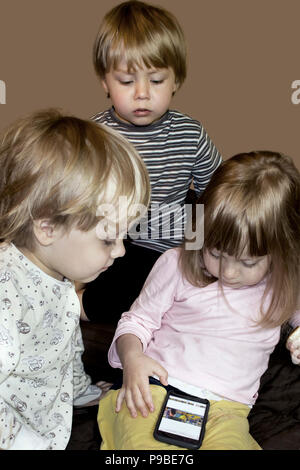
[179, 442]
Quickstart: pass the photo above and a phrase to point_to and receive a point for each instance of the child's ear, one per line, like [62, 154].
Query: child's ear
[45, 231]
[104, 84]
[175, 88]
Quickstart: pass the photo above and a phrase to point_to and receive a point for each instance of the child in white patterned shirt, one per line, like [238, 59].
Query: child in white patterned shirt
[59, 174]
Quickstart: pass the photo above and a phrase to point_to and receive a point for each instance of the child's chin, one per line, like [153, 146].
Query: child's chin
[90, 279]
[93, 277]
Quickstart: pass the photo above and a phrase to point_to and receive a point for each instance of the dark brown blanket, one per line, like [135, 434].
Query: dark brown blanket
[275, 418]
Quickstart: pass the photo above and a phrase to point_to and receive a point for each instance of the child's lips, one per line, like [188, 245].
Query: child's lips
[106, 267]
[141, 112]
[231, 284]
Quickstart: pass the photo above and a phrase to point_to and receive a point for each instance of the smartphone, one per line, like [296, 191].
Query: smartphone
[182, 420]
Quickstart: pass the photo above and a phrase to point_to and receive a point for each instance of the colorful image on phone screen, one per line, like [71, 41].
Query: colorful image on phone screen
[182, 417]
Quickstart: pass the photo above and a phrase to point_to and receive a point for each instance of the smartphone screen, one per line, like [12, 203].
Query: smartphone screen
[182, 420]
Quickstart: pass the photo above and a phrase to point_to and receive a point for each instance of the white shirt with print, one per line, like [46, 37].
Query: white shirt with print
[41, 370]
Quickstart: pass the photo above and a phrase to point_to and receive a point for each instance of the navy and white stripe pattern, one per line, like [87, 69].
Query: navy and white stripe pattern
[176, 150]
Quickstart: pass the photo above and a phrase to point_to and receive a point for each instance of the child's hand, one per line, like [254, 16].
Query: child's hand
[135, 389]
[293, 344]
[104, 387]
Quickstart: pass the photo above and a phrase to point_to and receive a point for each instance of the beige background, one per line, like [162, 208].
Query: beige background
[243, 58]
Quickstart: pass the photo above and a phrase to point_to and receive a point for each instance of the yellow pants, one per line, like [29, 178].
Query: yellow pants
[227, 426]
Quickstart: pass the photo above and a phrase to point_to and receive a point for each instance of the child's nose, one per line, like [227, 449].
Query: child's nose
[142, 90]
[119, 250]
[229, 269]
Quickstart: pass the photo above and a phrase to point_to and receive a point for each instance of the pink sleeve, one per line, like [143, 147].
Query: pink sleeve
[156, 297]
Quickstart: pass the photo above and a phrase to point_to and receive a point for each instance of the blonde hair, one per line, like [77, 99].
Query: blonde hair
[253, 203]
[140, 33]
[61, 168]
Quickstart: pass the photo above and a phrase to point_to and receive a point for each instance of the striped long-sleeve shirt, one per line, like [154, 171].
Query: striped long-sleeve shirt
[176, 150]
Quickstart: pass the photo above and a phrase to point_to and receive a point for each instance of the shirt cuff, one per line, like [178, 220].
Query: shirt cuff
[91, 393]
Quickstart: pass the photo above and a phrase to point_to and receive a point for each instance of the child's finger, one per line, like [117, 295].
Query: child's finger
[139, 402]
[105, 386]
[120, 399]
[295, 358]
[293, 341]
[130, 404]
[295, 353]
[161, 373]
[147, 396]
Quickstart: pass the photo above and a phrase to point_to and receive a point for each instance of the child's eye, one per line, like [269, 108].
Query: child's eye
[126, 82]
[214, 254]
[108, 242]
[249, 264]
[157, 82]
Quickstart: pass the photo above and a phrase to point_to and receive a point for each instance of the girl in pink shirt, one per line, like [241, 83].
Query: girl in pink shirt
[208, 319]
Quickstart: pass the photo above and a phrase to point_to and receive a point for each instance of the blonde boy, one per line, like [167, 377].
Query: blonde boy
[140, 58]
[59, 176]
